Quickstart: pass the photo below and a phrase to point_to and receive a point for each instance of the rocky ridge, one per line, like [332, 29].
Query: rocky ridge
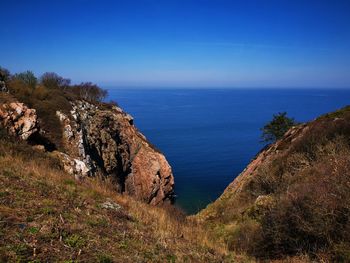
[289, 199]
[100, 142]
[266, 155]
[108, 143]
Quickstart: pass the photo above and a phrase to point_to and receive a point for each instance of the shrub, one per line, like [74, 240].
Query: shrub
[313, 214]
[53, 93]
[309, 190]
[245, 237]
[277, 127]
[52, 80]
[28, 78]
[19, 89]
[90, 92]
[46, 99]
[322, 131]
[40, 93]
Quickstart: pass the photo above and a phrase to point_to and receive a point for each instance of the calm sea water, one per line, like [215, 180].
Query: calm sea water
[210, 135]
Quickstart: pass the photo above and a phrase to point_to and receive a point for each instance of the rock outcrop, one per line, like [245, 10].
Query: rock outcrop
[72, 165]
[19, 120]
[103, 142]
[108, 143]
[265, 156]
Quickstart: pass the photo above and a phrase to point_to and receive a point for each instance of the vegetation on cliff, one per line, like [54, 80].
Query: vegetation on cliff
[294, 198]
[90, 137]
[291, 202]
[48, 94]
[47, 216]
[277, 127]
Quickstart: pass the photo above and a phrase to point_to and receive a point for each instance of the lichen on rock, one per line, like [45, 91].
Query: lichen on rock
[19, 120]
[102, 142]
[110, 145]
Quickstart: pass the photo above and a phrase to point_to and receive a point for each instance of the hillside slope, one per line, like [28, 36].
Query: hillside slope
[48, 216]
[293, 198]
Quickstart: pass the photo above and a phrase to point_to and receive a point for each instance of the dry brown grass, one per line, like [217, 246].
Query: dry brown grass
[307, 200]
[309, 212]
[46, 215]
[6, 98]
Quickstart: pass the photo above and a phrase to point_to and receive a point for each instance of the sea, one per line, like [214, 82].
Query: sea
[210, 135]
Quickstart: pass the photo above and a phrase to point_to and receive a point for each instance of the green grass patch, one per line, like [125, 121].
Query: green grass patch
[97, 222]
[33, 230]
[69, 182]
[103, 258]
[74, 241]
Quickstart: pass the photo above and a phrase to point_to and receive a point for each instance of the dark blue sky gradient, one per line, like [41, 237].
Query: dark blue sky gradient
[183, 43]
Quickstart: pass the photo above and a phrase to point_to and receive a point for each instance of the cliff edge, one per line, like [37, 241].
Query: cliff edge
[97, 140]
[293, 199]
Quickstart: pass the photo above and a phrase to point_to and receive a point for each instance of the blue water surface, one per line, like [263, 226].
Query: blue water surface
[210, 135]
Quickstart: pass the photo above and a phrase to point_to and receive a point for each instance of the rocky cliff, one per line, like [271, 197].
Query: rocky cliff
[47, 216]
[293, 198]
[240, 187]
[100, 141]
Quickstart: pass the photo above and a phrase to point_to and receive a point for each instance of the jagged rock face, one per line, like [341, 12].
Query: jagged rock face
[267, 155]
[73, 166]
[19, 120]
[100, 142]
[110, 146]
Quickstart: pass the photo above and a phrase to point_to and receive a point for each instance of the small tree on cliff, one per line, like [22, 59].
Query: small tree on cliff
[27, 78]
[277, 127]
[51, 81]
[90, 92]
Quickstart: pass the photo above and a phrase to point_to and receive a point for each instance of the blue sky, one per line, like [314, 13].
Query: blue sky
[181, 43]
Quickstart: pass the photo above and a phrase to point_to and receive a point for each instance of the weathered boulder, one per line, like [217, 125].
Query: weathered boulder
[72, 166]
[18, 119]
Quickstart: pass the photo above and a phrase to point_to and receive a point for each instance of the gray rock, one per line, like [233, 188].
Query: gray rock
[109, 204]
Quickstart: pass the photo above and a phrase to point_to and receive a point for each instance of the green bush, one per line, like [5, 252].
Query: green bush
[277, 127]
[51, 94]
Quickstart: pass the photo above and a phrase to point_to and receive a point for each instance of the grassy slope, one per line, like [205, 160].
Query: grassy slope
[46, 216]
[296, 202]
